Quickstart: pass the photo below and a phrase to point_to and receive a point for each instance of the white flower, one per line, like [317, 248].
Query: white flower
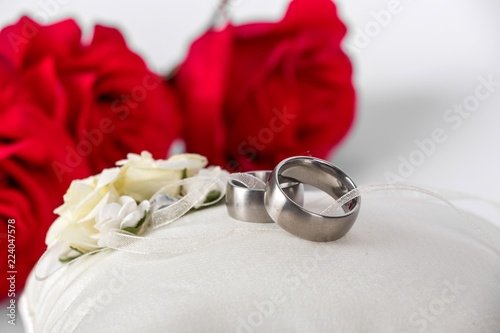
[138, 177]
[82, 202]
[143, 176]
[119, 215]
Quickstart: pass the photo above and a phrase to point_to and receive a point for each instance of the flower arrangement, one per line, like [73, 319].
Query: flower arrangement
[246, 97]
[120, 198]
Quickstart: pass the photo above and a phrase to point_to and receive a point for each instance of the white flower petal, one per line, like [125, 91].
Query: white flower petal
[107, 176]
[128, 206]
[78, 238]
[108, 213]
[144, 207]
[183, 161]
[55, 230]
[126, 200]
[141, 183]
[112, 214]
[131, 220]
[77, 190]
[134, 159]
[92, 210]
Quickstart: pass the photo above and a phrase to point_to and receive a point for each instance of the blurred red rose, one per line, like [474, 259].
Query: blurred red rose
[255, 94]
[68, 109]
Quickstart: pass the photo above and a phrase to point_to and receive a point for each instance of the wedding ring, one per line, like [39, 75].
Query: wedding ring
[246, 204]
[293, 217]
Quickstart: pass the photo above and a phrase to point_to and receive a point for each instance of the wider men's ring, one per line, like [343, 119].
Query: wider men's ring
[297, 220]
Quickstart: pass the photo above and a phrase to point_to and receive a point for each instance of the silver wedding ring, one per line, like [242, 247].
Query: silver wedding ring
[292, 216]
[247, 204]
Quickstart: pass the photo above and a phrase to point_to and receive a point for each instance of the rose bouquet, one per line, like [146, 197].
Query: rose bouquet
[246, 97]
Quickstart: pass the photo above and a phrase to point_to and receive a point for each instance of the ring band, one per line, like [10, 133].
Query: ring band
[247, 204]
[297, 220]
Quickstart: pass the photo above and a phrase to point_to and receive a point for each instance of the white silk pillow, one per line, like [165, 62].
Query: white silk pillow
[408, 265]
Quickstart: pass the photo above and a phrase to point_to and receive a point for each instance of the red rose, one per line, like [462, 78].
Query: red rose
[104, 95]
[257, 93]
[68, 109]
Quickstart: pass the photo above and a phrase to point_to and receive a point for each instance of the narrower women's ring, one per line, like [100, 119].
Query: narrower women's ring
[246, 204]
[297, 220]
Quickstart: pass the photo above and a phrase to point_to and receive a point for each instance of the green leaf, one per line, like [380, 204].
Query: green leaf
[65, 260]
[184, 175]
[212, 196]
[76, 249]
[68, 258]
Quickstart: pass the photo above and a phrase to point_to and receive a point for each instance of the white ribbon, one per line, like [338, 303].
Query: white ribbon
[364, 189]
[159, 216]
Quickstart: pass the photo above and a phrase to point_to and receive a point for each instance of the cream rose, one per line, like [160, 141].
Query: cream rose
[139, 177]
[142, 176]
[82, 202]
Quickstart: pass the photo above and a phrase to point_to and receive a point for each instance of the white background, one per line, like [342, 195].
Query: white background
[425, 60]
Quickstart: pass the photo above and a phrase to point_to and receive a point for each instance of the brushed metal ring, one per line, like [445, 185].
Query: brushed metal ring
[247, 204]
[292, 216]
